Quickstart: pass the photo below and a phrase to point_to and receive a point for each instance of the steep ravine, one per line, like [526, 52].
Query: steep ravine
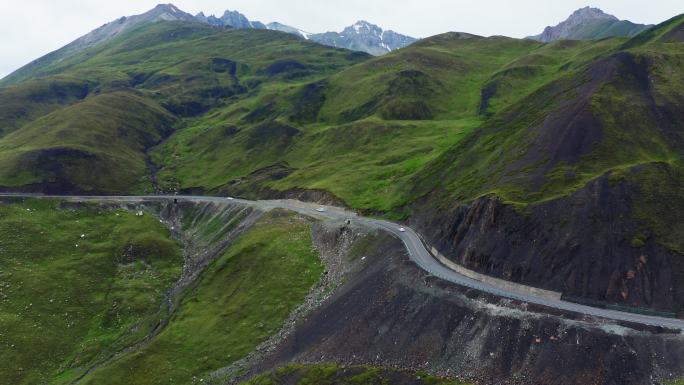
[206, 230]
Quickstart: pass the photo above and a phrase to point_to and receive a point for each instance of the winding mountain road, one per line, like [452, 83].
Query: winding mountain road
[417, 252]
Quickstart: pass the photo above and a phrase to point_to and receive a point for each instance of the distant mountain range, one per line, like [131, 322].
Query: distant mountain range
[584, 24]
[590, 23]
[362, 36]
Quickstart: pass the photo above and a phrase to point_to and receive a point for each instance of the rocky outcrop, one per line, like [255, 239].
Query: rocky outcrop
[233, 19]
[364, 36]
[390, 313]
[586, 245]
[589, 23]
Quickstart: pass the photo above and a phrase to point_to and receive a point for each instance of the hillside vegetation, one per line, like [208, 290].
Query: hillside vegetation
[239, 301]
[332, 374]
[85, 291]
[547, 146]
[77, 283]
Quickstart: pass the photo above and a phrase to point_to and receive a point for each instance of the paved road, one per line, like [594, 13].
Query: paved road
[416, 250]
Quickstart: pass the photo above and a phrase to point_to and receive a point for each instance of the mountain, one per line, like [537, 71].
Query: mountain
[590, 23]
[362, 36]
[125, 92]
[498, 149]
[366, 37]
[232, 19]
[165, 12]
[286, 28]
[557, 165]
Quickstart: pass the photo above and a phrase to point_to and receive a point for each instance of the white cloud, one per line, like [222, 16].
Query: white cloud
[32, 28]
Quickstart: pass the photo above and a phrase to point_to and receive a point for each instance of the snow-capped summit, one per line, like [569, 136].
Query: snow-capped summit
[362, 36]
[365, 36]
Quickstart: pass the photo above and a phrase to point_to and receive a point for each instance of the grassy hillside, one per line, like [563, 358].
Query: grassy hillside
[364, 132]
[96, 145]
[94, 133]
[432, 128]
[332, 374]
[77, 283]
[614, 112]
[257, 113]
[239, 301]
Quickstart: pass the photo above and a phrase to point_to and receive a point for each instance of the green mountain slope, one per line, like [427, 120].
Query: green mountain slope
[601, 29]
[619, 110]
[94, 38]
[65, 135]
[588, 170]
[451, 131]
[367, 129]
[96, 145]
[590, 24]
[78, 283]
[225, 315]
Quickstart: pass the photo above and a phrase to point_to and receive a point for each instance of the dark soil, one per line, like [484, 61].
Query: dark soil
[392, 314]
[584, 245]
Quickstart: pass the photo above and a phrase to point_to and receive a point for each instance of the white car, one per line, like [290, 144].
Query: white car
[230, 198]
[321, 209]
[403, 230]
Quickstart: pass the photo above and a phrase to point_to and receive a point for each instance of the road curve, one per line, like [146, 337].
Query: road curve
[417, 252]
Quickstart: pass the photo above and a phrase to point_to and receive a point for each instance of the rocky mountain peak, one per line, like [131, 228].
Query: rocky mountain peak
[588, 13]
[589, 23]
[363, 27]
[233, 19]
[361, 36]
[166, 12]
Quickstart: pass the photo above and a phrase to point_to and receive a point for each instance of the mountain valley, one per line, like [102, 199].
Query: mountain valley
[552, 162]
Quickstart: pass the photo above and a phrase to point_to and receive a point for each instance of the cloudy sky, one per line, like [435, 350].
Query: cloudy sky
[32, 28]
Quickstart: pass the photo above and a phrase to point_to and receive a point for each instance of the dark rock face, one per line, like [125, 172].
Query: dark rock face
[231, 19]
[392, 314]
[604, 241]
[582, 245]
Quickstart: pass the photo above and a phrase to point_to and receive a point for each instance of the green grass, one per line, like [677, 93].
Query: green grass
[37, 98]
[93, 136]
[240, 300]
[97, 145]
[371, 132]
[460, 114]
[333, 374]
[370, 161]
[77, 284]
[364, 163]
